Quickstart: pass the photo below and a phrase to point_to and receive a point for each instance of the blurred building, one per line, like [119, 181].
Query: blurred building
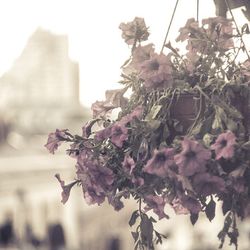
[42, 85]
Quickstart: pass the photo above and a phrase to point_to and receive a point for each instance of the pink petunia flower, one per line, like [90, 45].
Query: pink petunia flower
[119, 134]
[55, 140]
[224, 145]
[178, 207]
[160, 163]
[101, 108]
[65, 188]
[206, 184]
[192, 158]
[128, 164]
[156, 72]
[157, 203]
[134, 31]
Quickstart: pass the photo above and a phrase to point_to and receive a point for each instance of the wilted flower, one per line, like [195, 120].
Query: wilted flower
[135, 31]
[55, 139]
[66, 188]
[157, 203]
[224, 145]
[116, 98]
[160, 163]
[192, 158]
[101, 108]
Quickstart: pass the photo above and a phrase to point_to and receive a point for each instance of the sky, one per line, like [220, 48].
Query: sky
[92, 27]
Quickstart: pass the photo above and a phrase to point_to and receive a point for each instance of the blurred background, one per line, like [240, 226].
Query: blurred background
[56, 59]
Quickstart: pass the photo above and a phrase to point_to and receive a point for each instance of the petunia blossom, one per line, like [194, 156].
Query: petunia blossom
[206, 184]
[65, 188]
[119, 134]
[96, 179]
[178, 207]
[157, 72]
[224, 145]
[55, 140]
[157, 203]
[128, 164]
[116, 98]
[160, 163]
[134, 31]
[190, 203]
[101, 108]
[193, 157]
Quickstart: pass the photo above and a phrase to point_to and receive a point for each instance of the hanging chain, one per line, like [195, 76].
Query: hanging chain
[169, 26]
[197, 10]
[237, 29]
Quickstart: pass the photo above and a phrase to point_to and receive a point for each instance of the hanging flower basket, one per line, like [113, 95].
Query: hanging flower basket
[181, 138]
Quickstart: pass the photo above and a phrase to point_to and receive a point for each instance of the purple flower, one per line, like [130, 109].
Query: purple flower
[115, 202]
[157, 203]
[66, 188]
[160, 163]
[96, 179]
[136, 113]
[55, 139]
[206, 184]
[101, 108]
[224, 145]
[119, 134]
[192, 158]
[190, 203]
[103, 134]
[156, 72]
[128, 164]
[178, 207]
[92, 196]
[134, 31]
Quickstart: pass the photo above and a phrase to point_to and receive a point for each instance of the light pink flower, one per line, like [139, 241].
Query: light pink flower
[101, 108]
[134, 31]
[160, 163]
[224, 145]
[157, 72]
[116, 98]
[192, 158]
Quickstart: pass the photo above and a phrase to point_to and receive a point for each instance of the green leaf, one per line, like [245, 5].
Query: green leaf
[135, 235]
[210, 210]
[194, 218]
[146, 229]
[133, 218]
[153, 112]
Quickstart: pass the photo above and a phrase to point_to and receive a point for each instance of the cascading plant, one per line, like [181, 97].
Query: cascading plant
[181, 136]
